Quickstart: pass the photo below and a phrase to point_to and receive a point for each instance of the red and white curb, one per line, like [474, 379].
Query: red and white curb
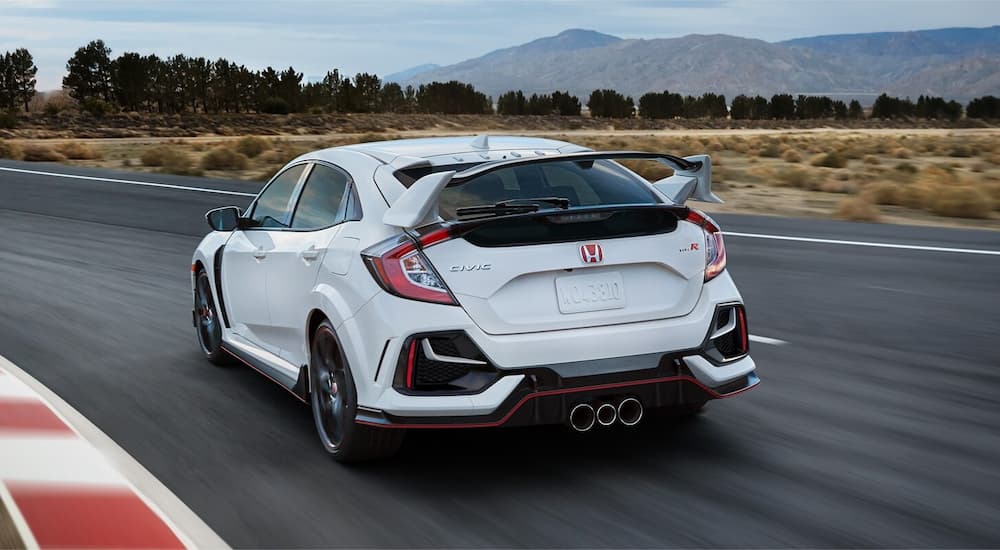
[65, 484]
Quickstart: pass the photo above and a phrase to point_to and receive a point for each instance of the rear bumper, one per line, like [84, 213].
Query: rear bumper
[539, 395]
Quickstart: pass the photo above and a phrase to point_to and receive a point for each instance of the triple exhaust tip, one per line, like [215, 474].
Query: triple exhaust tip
[583, 417]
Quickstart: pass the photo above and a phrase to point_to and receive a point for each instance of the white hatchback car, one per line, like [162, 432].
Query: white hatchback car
[474, 282]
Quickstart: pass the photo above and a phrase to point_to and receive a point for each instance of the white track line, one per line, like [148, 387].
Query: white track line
[130, 182]
[766, 340]
[863, 243]
[194, 532]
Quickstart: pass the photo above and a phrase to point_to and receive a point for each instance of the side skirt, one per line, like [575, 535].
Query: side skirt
[297, 387]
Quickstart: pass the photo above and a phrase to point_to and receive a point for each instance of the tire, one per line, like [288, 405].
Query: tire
[207, 322]
[334, 400]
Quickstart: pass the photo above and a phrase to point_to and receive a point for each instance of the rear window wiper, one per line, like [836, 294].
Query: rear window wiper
[496, 210]
[512, 206]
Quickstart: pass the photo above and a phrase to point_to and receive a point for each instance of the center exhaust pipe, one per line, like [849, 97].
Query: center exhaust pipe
[582, 417]
[606, 414]
[630, 411]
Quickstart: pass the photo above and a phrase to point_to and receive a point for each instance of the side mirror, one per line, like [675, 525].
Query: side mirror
[226, 218]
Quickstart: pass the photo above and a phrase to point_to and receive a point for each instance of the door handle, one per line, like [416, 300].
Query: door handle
[310, 253]
[260, 254]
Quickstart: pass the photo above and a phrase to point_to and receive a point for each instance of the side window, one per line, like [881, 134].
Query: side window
[321, 203]
[272, 208]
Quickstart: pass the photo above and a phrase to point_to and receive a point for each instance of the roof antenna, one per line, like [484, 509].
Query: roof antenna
[482, 141]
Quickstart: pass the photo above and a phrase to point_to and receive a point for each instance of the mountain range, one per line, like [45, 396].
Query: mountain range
[956, 63]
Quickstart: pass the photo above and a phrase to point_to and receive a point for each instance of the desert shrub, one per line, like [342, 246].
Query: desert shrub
[282, 154]
[96, 107]
[961, 202]
[857, 209]
[158, 155]
[800, 178]
[8, 120]
[993, 190]
[884, 192]
[251, 146]
[180, 163]
[961, 151]
[832, 159]
[41, 153]
[274, 106]
[78, 151]
[771, 150]
[836, 187]
[791, 155]
[906, 168]
[902, 153]
[10, 150]
[223, 158]
[872, 160]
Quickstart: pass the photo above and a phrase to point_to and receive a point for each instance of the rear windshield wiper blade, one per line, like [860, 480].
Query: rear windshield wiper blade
[561, 202]
[513, 206]
[496, 210]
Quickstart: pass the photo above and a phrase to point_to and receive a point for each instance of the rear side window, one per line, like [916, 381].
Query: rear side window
[321, 203]
[583, 184]
[273, 207]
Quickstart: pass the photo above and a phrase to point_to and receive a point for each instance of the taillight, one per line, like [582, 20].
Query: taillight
[399, 267]
[715, 247]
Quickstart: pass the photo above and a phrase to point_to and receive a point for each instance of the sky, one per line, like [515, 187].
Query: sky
[388, 36]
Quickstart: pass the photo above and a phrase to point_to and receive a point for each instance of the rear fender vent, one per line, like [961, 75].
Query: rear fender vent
[729, 337]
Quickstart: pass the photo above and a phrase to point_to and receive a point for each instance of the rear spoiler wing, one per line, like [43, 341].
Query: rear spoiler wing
[692, 180]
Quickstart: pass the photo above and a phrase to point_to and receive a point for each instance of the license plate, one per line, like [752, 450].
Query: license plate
[579, 293]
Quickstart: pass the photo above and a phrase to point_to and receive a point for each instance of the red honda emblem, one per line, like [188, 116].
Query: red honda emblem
[591, 253]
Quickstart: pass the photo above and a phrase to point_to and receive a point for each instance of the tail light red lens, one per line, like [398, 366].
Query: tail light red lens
[401, 268]
[715, 247]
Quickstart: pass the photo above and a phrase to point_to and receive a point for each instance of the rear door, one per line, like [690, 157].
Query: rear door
[630, 260]
[298, 253]
[248, 254]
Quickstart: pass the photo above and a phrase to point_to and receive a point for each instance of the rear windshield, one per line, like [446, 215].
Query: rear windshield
[582, 183]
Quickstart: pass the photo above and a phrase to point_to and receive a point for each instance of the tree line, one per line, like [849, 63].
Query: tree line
[179, 83]
[135, 82]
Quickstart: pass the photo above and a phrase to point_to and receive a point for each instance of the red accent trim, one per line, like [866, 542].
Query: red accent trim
[410, 362]
[744, 332]
[73, 517]
[29, 415]
[266, 375]
[562, 391]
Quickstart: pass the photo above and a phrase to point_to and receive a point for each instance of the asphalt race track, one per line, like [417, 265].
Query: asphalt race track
[877, 423]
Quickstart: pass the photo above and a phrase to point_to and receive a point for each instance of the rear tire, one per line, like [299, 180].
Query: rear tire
[334, 400]
[207, 322]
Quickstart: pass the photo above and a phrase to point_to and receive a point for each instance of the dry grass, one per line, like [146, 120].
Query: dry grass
[962, 202]
[10, 150]
[829, 160]
[224, 158]
[791, 155]
[857, 209]
[251, 146]
[76, 150]
[169, 159]
[41, 153]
